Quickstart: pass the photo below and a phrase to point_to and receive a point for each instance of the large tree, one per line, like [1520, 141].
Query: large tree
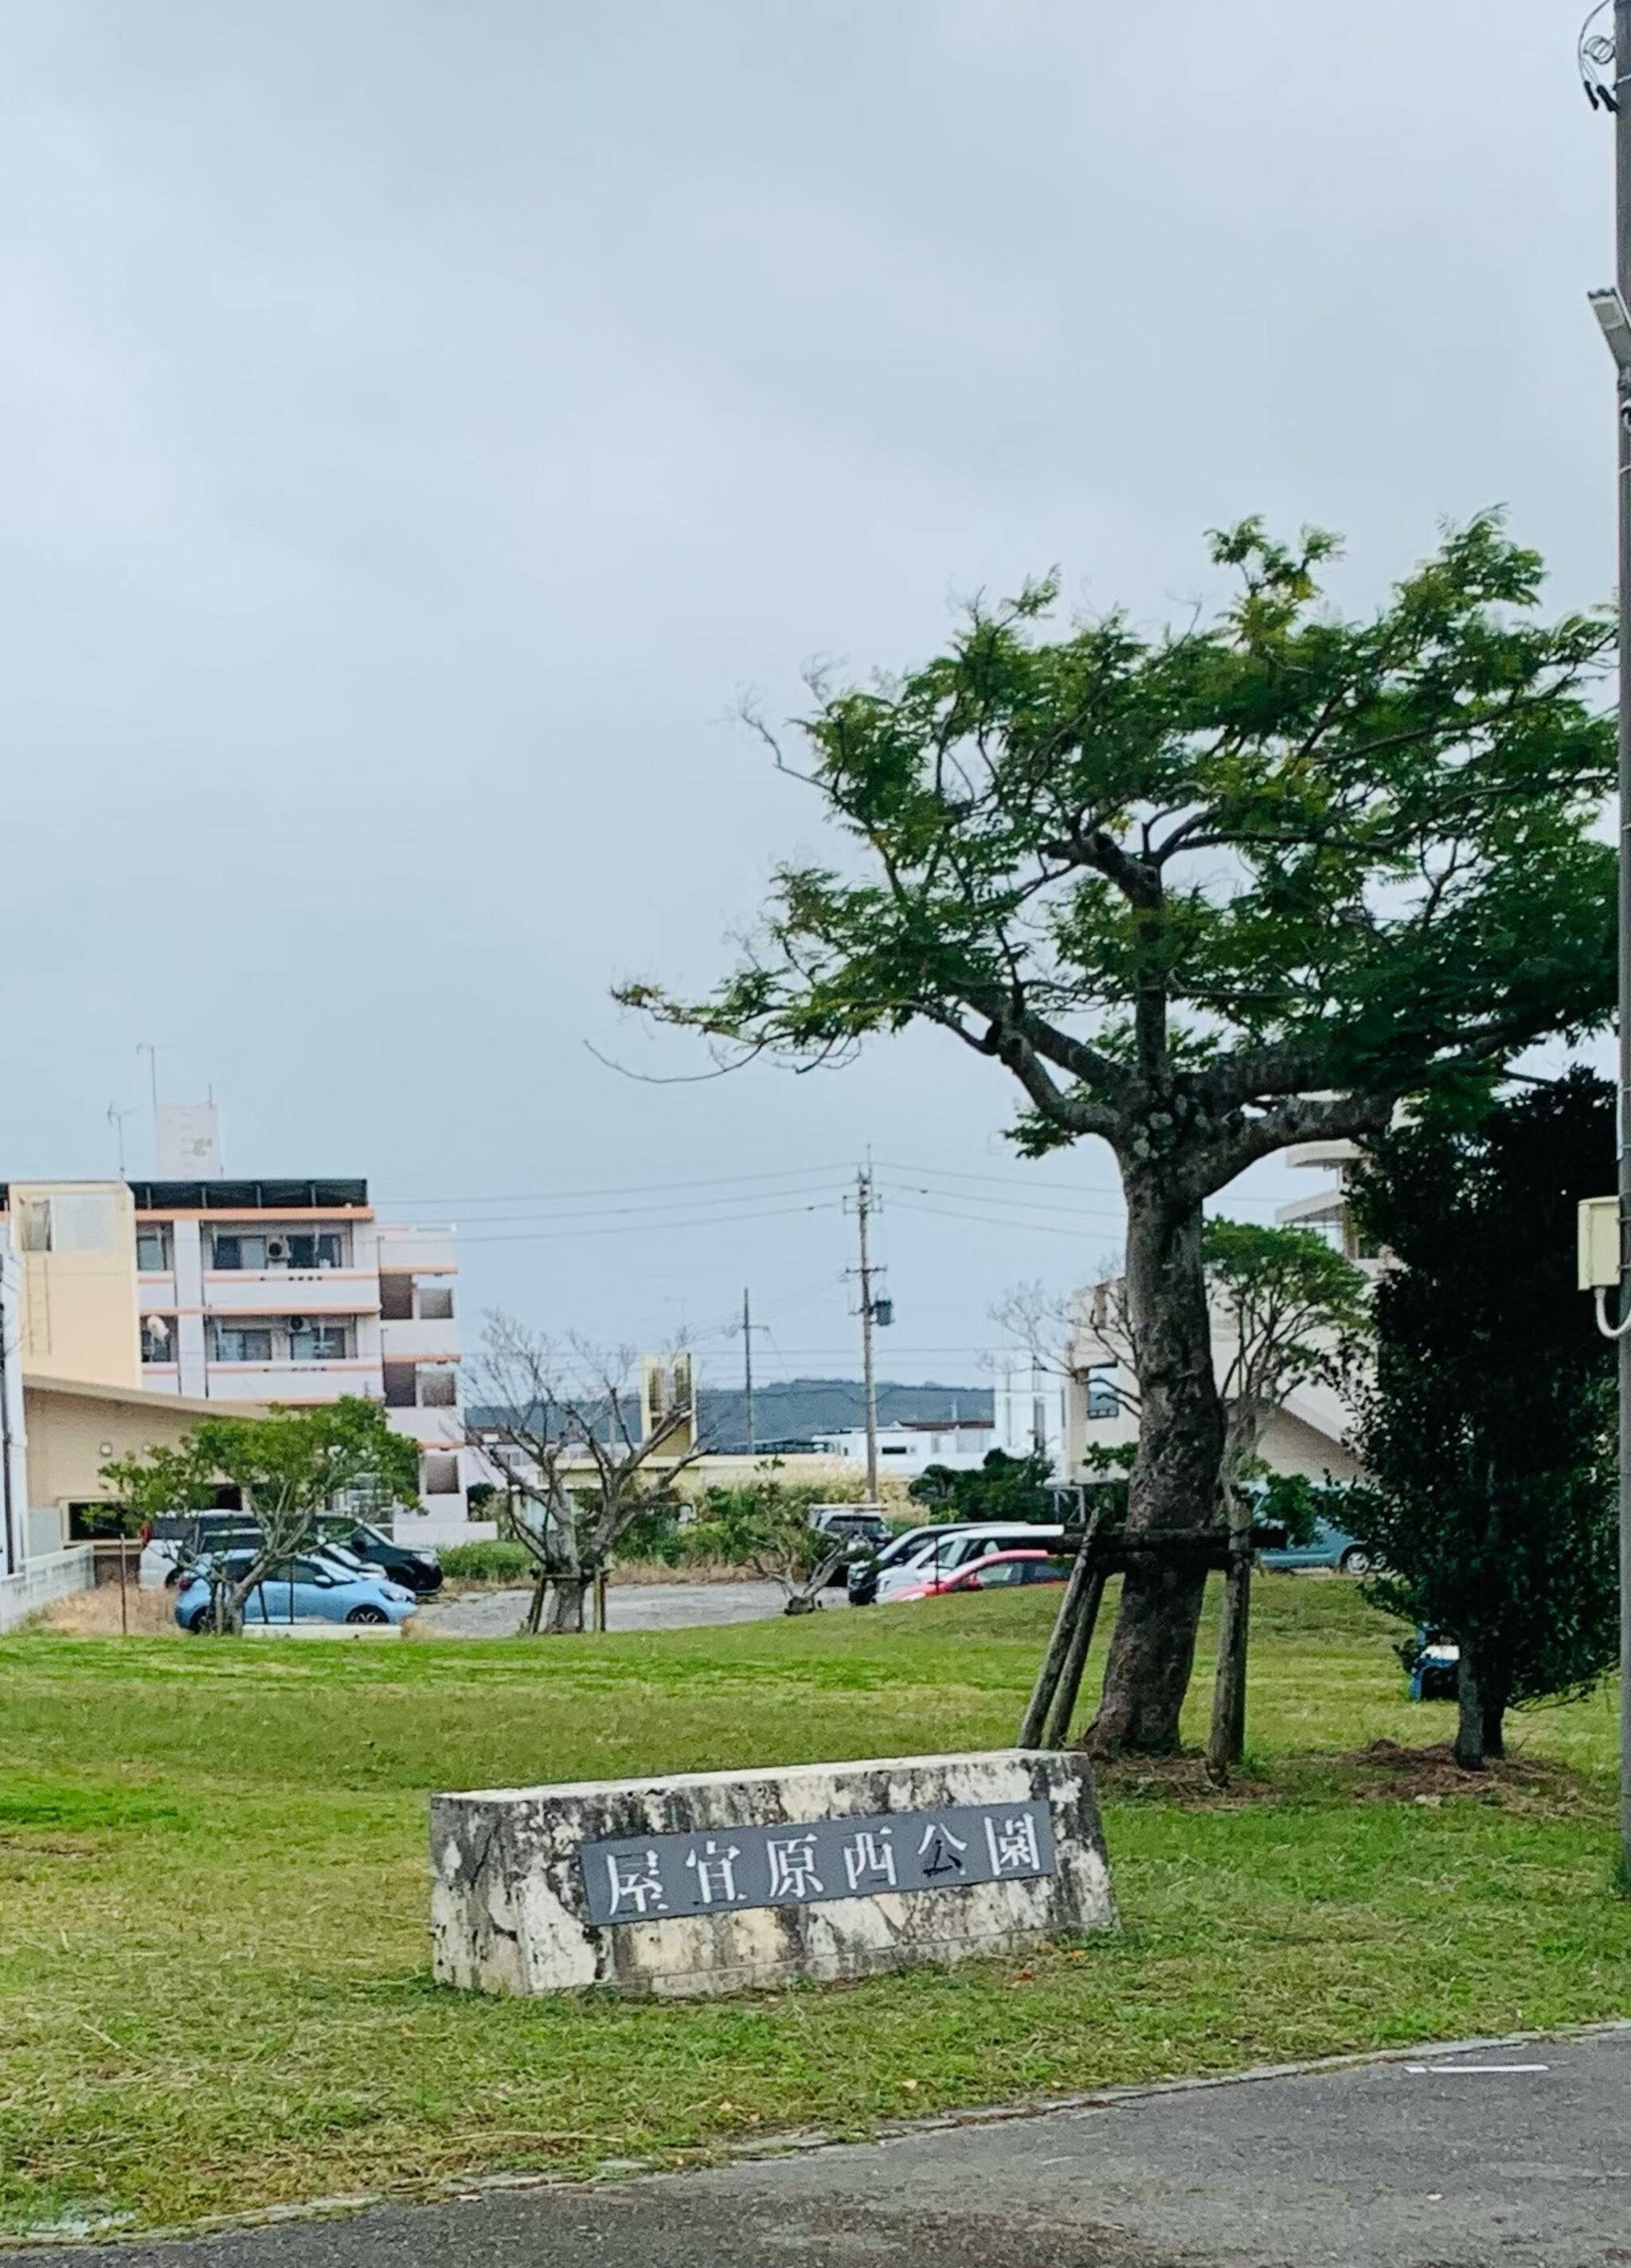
[1203, 893]
[1488, 1432]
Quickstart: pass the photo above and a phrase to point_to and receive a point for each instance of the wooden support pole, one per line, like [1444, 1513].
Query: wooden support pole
[1226, 1739]
[1058, 1730]
[1059, 1644]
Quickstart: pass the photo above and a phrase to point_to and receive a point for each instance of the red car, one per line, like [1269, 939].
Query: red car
[999, 1571]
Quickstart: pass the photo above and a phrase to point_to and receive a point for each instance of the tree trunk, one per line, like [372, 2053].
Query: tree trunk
[566, 1604]
[1175, 1476]
[1469, 1750]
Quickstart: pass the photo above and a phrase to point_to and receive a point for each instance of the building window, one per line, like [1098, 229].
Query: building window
[33, 1225]
[435, 1305]
[241, 1342]
[316, 1341]
[398, 1383]
[1103, 1400]
[438, 1475]
[319, 1248]
[438, 1390]
[152, 1251]
[157, 1339]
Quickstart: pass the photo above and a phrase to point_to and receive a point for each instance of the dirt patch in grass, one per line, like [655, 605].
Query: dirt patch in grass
[1382, 1771]
[1386, 1772]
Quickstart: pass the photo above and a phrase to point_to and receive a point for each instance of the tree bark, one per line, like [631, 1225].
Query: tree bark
[1469, 1749]
[1175, 1478]
[566, 1604]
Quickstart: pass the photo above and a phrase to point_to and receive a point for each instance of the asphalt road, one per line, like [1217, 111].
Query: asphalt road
[1478, 2158]
[628, 1607]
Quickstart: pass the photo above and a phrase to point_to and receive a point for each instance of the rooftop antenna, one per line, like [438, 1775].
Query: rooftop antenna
[116, 1119]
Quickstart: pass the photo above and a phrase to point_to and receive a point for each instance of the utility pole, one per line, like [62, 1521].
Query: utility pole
[748, 1369]
[1611, 308]
[13, 1542]
[1622, 278]
[865, 1205]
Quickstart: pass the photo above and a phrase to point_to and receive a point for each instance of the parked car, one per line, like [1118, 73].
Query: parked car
[1436, 1673]
[924, 1553]
[855, 1525]
[998, 1571]
[1330, 1547]
[310, 1588]
[419, 1570]
[175, 1535]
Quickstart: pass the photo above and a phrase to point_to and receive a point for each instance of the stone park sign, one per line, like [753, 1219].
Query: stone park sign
[719, 1881]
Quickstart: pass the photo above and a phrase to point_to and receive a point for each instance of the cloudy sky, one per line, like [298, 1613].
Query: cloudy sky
[421, 420]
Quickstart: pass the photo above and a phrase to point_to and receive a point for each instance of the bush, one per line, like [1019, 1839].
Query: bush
[492, 1561]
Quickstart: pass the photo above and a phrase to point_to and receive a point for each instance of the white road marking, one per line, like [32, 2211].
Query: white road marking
[1472, 2070]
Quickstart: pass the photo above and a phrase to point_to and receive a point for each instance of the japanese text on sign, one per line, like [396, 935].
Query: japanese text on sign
[646, 1878]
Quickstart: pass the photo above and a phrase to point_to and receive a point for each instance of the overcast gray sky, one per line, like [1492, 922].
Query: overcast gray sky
[420, 420]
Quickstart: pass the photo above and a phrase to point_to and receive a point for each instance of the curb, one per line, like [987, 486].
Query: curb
[767, 2148]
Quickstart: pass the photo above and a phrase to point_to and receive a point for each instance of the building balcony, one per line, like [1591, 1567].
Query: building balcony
[416, 1251]
[295, 1382]
[421, 1339]
[155, 1294]
[432, 1429]
[286, 1291]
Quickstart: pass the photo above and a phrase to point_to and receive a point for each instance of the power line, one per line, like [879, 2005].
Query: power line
[627, 1189]
[646, 1227]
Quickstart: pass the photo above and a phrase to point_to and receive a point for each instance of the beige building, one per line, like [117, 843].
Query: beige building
[75, 1243]
[75, 1427]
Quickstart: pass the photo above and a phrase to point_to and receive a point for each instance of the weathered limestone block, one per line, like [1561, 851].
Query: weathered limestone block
[719, 1881]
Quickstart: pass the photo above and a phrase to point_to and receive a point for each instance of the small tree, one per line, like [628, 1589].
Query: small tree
[285, 1468]
[564, 1419]
[1203, 894]
[1000, 1487]
[765, 1525]
[1487, 1434]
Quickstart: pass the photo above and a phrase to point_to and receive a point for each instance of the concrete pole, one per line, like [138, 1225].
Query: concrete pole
[869, 1378]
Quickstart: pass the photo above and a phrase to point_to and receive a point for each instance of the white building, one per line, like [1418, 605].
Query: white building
[293, 1292]
[1308, 1434]
[961, 1444]
[1030, 1410]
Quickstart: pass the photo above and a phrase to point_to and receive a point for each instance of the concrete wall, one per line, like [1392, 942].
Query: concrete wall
[57, 1576]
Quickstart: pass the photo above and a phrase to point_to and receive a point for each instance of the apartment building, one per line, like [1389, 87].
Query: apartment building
[291, 1291]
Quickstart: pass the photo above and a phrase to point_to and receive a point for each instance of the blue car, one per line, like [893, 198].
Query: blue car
[314, 1588]
[1330, 1548]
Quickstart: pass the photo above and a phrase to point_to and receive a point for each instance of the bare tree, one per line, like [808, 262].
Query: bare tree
[561, 1422]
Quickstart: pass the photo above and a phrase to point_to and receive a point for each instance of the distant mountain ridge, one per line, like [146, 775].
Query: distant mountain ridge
[792, 1411]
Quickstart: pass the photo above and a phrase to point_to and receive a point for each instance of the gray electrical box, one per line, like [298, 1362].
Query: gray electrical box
[1600, 1244]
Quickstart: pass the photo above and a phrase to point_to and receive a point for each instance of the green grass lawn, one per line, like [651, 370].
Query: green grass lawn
[213, 1992]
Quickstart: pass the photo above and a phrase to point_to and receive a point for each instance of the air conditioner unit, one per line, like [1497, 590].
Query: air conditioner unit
[276, 1247]
[299, 1322]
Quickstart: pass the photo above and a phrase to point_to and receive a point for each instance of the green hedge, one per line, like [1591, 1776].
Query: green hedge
[491, 1561]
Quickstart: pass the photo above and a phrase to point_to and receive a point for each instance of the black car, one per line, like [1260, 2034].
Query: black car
[416, 1570]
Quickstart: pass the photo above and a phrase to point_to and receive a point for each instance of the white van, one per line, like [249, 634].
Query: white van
[937, 1550]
